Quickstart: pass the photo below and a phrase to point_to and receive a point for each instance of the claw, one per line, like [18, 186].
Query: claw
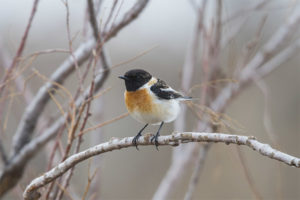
[156, 143]
[152, 138]
[136, 138]
[155, 138]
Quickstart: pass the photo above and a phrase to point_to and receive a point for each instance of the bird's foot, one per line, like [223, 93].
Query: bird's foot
[135, 140]
[155, 139]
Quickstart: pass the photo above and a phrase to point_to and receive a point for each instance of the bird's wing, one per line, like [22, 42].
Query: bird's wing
[163, 91]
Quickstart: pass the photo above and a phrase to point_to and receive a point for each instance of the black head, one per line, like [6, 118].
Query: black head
[135, 78]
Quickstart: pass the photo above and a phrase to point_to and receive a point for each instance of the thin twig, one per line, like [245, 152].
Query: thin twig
[78, 72]
[93, 20]
[82, 132]
[79, 141]
[110, 15]
[261, 65]
[21, 47]
[246, 171]
[13, 172]
[90, 179]
[3, 153]
[197, 171]
[28, 121]
[179, 154]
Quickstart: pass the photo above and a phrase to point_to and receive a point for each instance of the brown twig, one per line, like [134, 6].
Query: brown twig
[22, 139]
[110, 15]
[79, 141]
[82, 132]
[21, 47]
[197, 171]
[78, 72]
[93, 20]
[90, 179]
[247, 174]
[174, 172]
[265, 61]
[3, 153]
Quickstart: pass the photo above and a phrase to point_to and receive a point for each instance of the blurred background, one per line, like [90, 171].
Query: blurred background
[166, 28]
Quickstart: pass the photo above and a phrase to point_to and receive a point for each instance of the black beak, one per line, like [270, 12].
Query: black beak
[123, 77]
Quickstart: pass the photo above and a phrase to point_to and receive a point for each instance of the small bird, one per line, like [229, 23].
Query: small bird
[150, 100]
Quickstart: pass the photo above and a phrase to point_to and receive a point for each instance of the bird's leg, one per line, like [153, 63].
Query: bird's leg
[155, 138]
[135, 139]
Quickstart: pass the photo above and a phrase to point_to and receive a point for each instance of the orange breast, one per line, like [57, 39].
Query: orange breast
[139, 100]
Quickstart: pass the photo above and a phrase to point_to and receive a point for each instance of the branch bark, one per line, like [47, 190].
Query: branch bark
[31, 191]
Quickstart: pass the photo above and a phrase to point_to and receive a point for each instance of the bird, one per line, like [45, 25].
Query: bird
[150, 100]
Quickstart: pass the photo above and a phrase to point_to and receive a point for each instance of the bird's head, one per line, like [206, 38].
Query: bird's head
[135, 78]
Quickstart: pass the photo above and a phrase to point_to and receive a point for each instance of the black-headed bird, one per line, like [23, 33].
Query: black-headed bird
[150, 100]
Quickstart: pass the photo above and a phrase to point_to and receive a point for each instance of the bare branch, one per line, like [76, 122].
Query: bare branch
[19, 80]
[246, 171]
[79, 76]
[13, 172]
[34, 109]
[3, 153]
[21, 47]
[275, 44]
[233, 89]
[265, 61]
[93, 20]
[128, 17]
[242, 12]
[79, 141]
[110, 14]
[171, 140]
[197, 171]
[28, 122]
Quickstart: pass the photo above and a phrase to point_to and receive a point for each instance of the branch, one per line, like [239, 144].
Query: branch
[29, 119]
[3, 152]
[20, 49]
[275, 43]
[261, 65]
[11, 174]
[232, 89]
[197, 171]
[33, 111]
[128, 17]
[93, 20]
[226, 95]
[170, 140]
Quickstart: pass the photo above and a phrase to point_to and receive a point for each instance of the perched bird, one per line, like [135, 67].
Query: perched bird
[150, 100]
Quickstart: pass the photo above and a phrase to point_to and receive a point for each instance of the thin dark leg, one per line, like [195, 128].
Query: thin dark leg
[135, 139]
[155, 138]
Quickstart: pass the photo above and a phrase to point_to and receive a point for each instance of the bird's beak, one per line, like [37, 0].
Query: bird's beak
[123, 77]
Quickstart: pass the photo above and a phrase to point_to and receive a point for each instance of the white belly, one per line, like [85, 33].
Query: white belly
[163, 111]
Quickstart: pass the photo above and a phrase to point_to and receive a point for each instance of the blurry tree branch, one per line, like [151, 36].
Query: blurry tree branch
[273, 54]
[33, 111]
[20, 48]
[208, 40]
[171, 140]
[5, 60]
[9, 65]
[13, 171]
[204, 149]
